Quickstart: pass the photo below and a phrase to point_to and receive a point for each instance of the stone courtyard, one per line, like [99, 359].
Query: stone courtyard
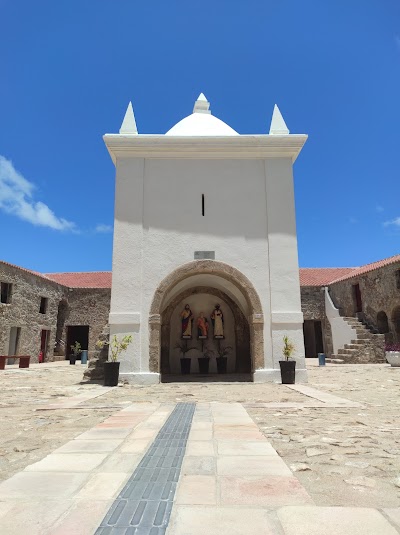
[298, 459]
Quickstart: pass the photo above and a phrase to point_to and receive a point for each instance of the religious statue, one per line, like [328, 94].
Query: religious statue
[187, 321]
[217, 319]
[202, 326]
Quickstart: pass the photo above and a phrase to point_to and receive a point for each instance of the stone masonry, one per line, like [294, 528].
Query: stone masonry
[65, 307]
[23, 311]
[380, 295]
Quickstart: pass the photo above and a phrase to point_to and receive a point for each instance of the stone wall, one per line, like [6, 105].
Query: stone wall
[65, 307]
[313, 308]
[379, 293]
[313, 302]
[88, 306]
[23, 311]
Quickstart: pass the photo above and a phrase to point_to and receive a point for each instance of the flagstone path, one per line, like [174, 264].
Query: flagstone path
[228, 479]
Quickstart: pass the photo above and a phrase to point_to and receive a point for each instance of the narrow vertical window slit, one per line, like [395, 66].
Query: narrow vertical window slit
[202, 204]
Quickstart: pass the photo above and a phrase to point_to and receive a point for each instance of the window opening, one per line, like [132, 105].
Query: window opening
[202, 204]
[43, 305]
[6, 289]
[398, 279]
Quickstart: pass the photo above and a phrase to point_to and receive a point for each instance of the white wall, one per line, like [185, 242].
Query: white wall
[202, 303]
[159, 226]
[342, 333]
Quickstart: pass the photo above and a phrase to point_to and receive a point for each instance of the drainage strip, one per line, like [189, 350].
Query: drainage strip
[144, 505]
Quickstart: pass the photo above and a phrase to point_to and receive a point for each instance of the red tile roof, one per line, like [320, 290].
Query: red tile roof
[95, 279]
[322, 276]
[369, 267]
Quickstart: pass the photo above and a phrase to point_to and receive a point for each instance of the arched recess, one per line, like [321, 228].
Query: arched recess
[242, 331]
[382, 322]
[396, 322]
[213, 275]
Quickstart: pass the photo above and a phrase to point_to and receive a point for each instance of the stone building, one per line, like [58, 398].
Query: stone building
[348, 312]
[351, 313]
[49, 312]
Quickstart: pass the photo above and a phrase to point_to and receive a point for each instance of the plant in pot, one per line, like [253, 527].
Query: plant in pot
[111, 367]
[288, 366]
[222, 359]
[182, 345]
[204, 361]
[392, 353]
[76, 349]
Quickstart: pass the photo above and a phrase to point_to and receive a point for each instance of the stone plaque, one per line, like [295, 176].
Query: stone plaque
[204, 255]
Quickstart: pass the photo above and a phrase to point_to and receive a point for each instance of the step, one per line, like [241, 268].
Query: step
[334, 360]
[346, 351]
[364, 333]
[353, 345]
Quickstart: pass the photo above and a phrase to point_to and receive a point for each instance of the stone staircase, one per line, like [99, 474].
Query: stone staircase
[367, 348]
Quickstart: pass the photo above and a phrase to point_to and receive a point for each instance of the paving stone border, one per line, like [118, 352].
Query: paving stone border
[144, 505]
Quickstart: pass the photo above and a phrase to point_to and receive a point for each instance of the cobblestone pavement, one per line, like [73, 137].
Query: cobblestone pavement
[343, 455]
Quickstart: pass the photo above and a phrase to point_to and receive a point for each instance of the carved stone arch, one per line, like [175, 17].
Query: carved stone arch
[222, 271]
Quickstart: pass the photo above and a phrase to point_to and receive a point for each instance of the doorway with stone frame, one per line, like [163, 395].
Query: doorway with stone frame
[205, 283]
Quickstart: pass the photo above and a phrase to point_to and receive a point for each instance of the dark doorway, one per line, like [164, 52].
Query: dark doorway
[357, 298]
[396, 322]
[13, 346]
[313, 339]
[44, 344]
[382, 321]
[77, 333]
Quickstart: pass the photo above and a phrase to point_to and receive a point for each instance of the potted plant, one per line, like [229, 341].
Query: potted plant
[222, 359]
[392, 353]
[288, 366]
[185, 361]
[111, 367]
[204, 361]
[76, 349]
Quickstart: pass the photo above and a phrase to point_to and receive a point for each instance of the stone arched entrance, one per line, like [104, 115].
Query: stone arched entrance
[396, 323]
[221, 280]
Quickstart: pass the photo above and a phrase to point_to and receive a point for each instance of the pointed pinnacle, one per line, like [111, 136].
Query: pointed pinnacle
[278, 126]
[128, 125]
[201, 105]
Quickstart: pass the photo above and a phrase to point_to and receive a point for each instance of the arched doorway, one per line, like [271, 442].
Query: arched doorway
[382, 322]
[396, 322]
[207, 279]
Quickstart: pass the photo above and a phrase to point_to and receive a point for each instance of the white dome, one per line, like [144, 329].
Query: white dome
[201, 124]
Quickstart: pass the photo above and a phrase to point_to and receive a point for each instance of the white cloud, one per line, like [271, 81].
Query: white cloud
[16, 198]
[379, 208]
[104, 229]
[393, 222]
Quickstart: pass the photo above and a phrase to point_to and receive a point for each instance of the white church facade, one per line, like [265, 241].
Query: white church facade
[205, 247]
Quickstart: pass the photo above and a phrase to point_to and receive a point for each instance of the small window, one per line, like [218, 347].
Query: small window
[43, 305]
[6, 289]
[398, 279]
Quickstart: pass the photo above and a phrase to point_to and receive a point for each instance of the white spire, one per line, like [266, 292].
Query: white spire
[278, 126]
[128, 125]
[201, 105]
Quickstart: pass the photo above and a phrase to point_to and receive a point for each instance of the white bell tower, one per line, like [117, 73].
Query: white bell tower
[203, 213]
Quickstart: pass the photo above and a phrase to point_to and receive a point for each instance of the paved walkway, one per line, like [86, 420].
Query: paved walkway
[228, 480]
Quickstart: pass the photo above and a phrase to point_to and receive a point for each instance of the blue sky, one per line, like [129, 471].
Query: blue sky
[69, 69]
